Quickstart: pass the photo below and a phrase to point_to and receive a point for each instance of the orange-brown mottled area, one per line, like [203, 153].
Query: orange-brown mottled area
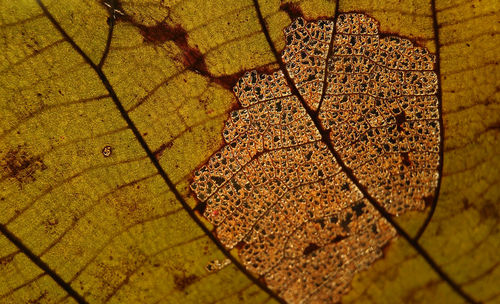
[276, 191]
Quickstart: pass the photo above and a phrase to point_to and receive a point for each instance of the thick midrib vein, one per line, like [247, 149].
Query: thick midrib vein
[324, 134]
[152, 158]
[328, 55]
[441, 126]
[41, 264]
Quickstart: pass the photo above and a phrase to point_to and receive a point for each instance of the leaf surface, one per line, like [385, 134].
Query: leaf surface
[113, 230]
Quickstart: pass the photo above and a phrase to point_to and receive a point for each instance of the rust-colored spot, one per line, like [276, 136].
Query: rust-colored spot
[310, 248]
[292, 10]
[8, 258]
[159, 152]
[107, 151]
[38, 299]
[276, 192]
[162, 32]
[19, 164]
[190, 56]
[182, 281]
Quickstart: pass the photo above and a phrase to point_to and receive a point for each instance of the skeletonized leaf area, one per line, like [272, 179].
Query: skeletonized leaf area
[276, 190]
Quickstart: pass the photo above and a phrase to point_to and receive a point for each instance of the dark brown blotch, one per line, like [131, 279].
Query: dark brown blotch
[200, 208]
[405, 158]
[310, 248]
[428, 200]
[182, 281]
[191, 57]
[293, 10]
[400, 119]
[488, 211]
[21, 165]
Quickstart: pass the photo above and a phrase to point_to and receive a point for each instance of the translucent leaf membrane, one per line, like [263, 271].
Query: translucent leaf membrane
[276, 191]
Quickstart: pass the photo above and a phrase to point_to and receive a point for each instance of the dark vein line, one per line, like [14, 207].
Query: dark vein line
[483, 275]
[111, 21]
[9, 257]
[35, 53]
[472, 167]
[328, 55]
[484, 102]
[375, 63]
[324, 133]
[473, 139]
[232, 294]
[453, 6]
[151, 155]
[429, 216]
[383, 274]
[474, 247]
[22, 21]
[470, 38]
[129, 274]
[116, 235]
[24, 284]
[473, 68]
[42, 265]
[85, 212]
[227, 181]
[64, 182]
[153, 90]
[461, 21]
[332, 276]
[49, 107]
[397, 11]
[491, 298]
[59, 73]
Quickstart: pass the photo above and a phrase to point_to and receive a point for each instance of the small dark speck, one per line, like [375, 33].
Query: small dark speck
[310, 248]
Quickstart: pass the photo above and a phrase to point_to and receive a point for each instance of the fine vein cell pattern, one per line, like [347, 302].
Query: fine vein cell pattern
[275, 190]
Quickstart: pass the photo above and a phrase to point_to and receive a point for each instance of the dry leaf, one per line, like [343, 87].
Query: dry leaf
[151, 83]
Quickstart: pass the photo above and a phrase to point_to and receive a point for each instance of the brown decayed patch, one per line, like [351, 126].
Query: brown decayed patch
[275, 190]
[489, 211]
[293, 11]
[182, 281]
[21, 165]
[190, 56]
